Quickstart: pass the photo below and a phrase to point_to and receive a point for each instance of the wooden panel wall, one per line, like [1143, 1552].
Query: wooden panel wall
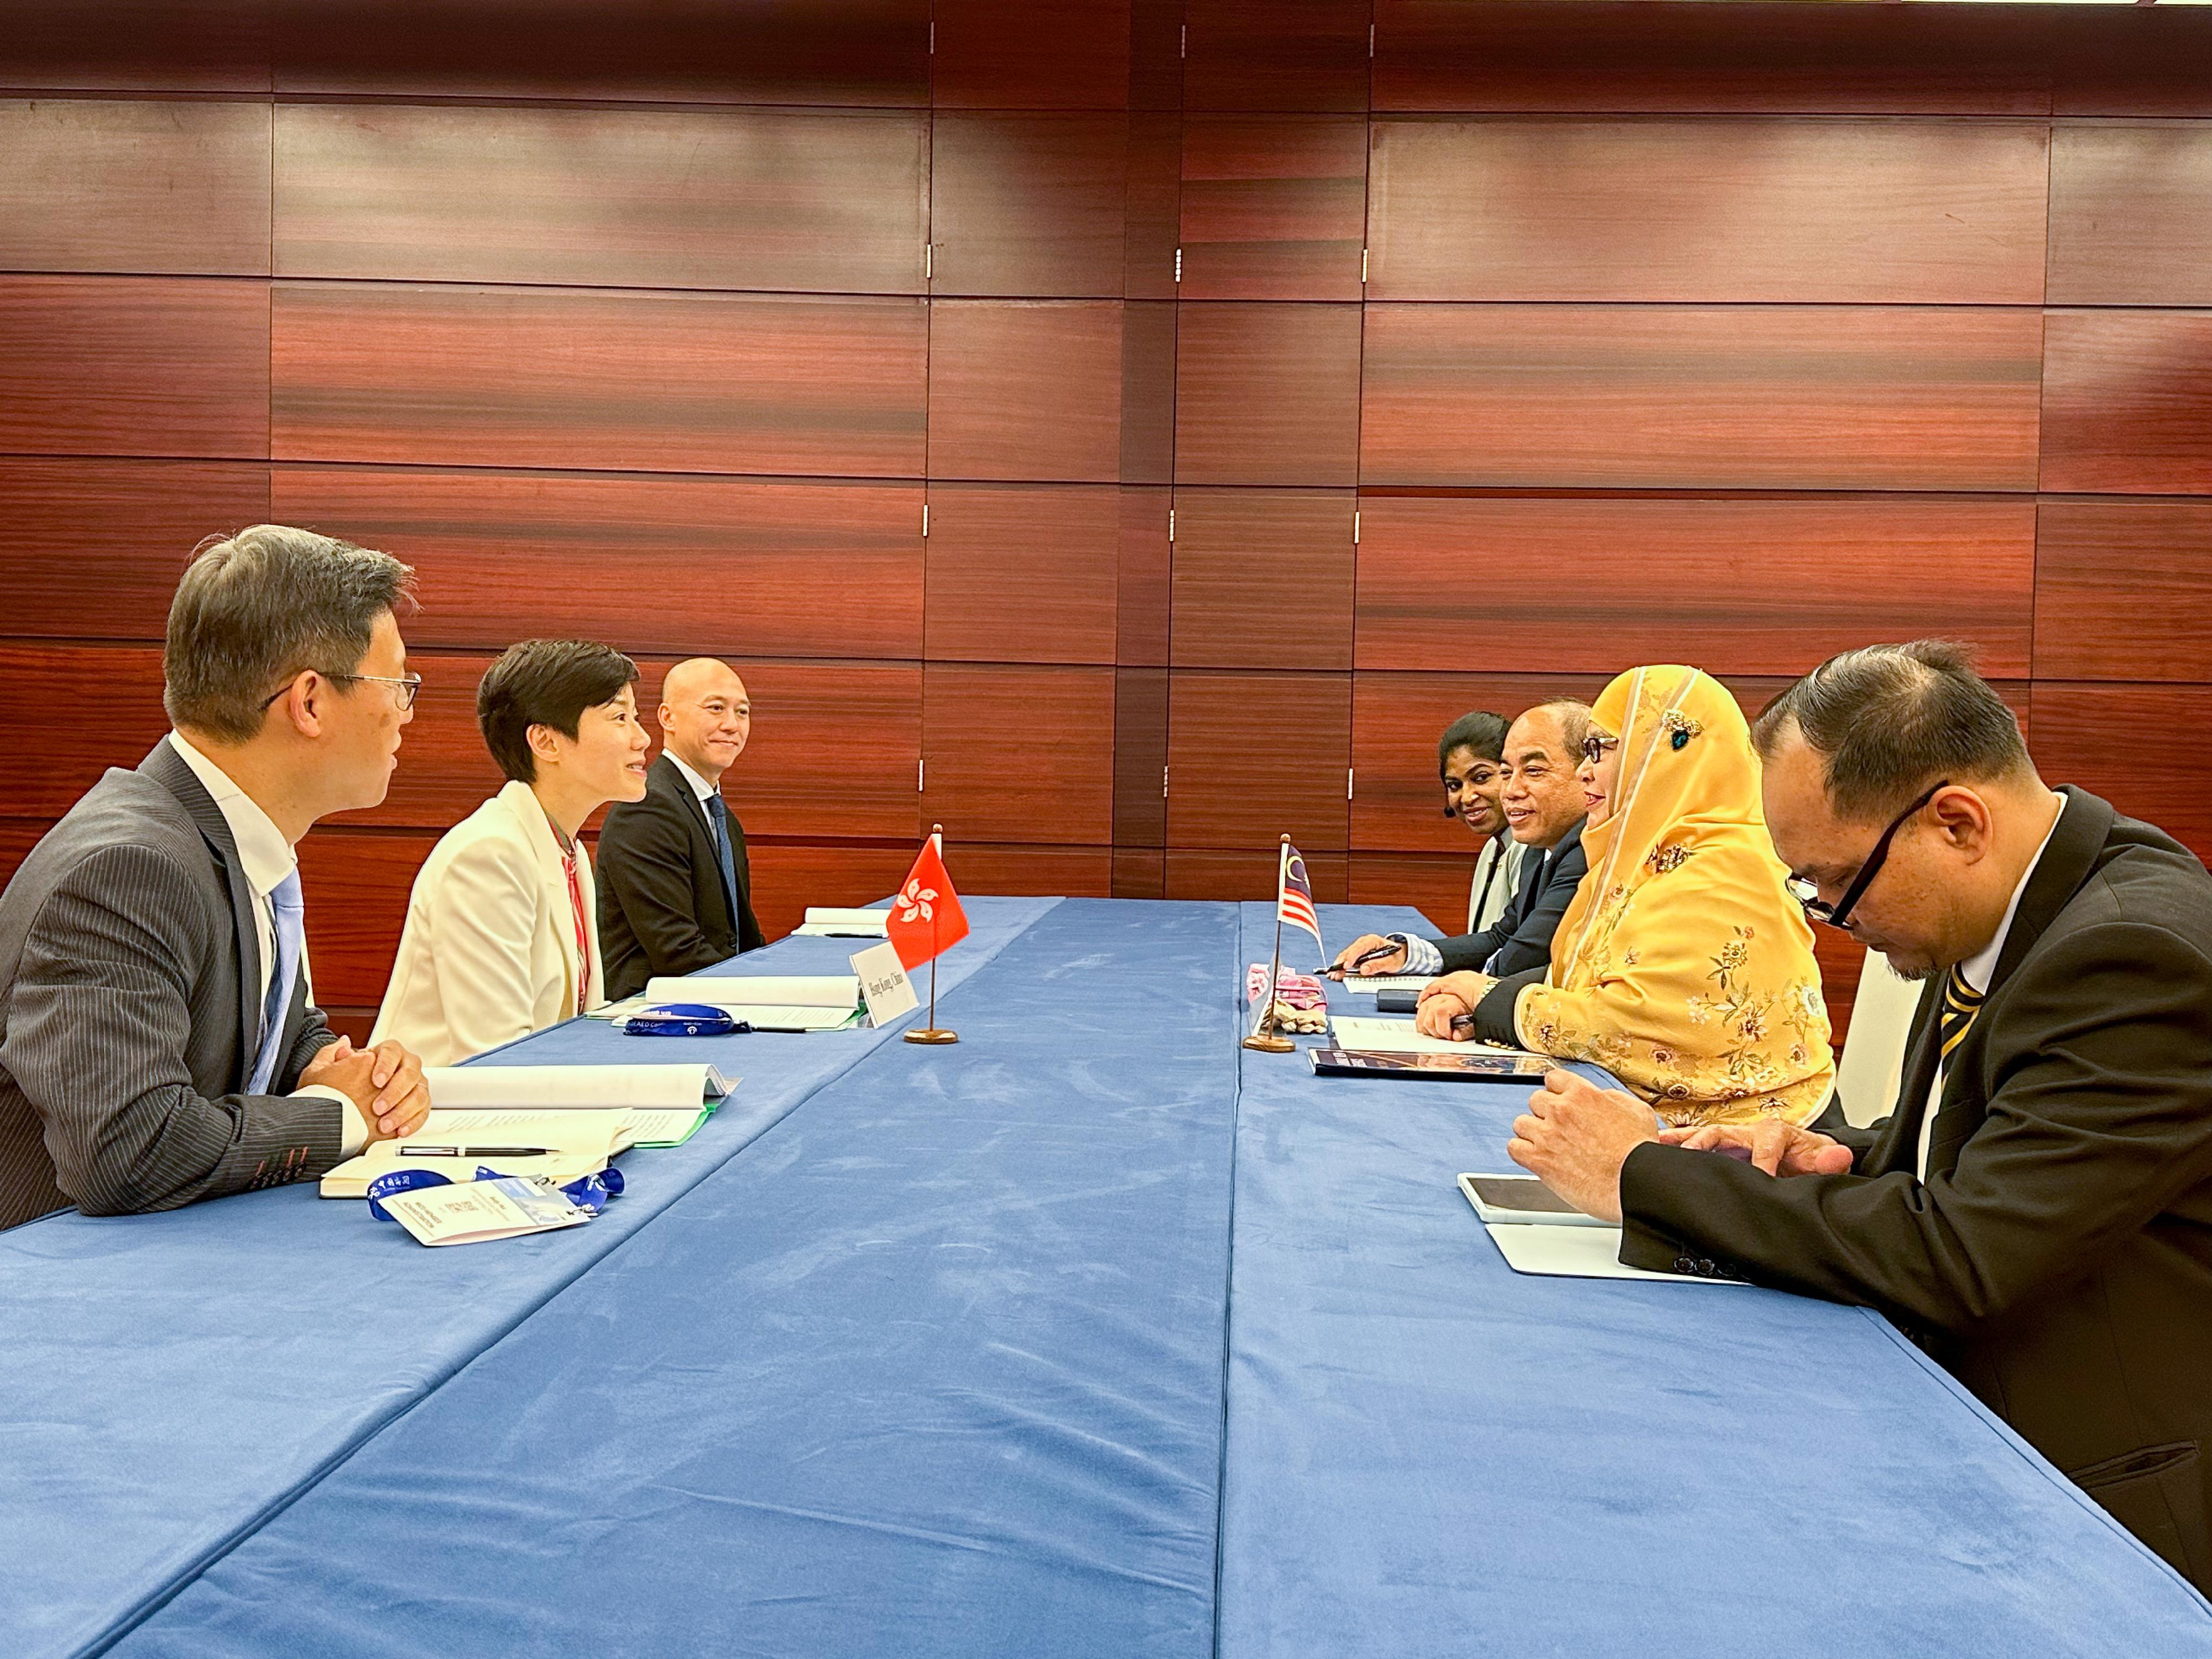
[1279, 381]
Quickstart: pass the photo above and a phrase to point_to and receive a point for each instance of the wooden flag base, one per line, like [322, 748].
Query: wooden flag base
[932, 1034]
[1267, 1044]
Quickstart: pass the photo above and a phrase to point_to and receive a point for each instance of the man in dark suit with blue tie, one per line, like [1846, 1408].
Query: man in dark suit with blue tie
[159, 1042]
[675, 885]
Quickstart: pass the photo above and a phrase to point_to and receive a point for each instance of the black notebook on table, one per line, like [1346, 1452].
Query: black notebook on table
[1481, 1065]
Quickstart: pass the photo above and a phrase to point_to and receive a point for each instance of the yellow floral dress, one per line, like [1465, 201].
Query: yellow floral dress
[1684, 966]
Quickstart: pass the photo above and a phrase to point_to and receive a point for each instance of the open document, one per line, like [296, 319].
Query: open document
[559, 1145]
[1400, 1036]
[811, 1002]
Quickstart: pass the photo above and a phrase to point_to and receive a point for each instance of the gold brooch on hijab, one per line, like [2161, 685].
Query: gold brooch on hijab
[1680, 728]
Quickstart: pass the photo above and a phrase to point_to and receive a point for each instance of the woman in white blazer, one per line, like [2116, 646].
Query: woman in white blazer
[503, 934]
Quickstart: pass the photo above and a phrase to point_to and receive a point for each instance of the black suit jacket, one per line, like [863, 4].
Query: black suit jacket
[663, 910]
[1524, 932]
[125, 1043]
[2058, 1260]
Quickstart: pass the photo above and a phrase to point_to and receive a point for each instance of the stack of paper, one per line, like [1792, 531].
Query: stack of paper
[823, 922]
[817, 1002]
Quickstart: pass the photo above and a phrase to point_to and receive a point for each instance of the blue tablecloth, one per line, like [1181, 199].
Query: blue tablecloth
[940, 1365]
[169, 1381]
[1429, 1453]
[934, 1369]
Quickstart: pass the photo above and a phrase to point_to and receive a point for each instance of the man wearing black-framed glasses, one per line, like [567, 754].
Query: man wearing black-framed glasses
[2036, 1210]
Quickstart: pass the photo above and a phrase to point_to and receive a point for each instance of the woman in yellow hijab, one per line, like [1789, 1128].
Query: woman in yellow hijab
[1684, 965]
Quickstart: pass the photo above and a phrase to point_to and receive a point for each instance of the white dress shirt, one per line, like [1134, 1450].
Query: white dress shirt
[700, 787]
[1422, 956]
[1977, 972]
[266, 857]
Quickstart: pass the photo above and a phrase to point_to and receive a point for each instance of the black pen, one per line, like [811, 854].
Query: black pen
[476, 1151]
[1338, 970]
[1462, 1022]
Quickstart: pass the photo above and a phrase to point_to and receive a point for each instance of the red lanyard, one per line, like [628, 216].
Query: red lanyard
[583, 938]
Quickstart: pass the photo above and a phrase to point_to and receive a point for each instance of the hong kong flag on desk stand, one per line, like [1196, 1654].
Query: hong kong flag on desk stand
[926, 922]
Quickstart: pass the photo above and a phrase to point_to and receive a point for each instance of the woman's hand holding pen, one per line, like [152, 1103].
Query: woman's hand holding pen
[1370, 953]
[1447, 1006]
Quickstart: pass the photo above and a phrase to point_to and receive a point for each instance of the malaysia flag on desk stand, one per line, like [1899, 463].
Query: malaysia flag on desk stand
[1294, 900]
[1294, 904]
[927, 920]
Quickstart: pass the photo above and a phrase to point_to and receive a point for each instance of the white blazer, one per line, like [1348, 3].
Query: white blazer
[1497, 879]
[488, 953]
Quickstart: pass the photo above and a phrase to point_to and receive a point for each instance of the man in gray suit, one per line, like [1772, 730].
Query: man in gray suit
[158, 1043]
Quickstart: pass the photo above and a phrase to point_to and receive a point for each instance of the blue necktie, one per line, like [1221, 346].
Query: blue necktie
[291, 932]
[717, 826]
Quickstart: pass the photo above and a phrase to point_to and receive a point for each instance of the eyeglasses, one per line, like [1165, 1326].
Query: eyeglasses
[1839, 913]
[403, 691]
[1594, 748]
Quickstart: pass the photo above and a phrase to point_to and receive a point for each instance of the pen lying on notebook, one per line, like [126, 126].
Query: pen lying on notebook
[476, 1151]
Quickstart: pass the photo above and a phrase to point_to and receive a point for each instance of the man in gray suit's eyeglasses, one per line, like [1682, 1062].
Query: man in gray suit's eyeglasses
[159, 1040]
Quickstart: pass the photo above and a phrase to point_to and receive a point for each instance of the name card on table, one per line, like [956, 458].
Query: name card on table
[884, 982]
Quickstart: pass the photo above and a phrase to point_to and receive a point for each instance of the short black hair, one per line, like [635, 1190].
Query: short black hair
[544, 682]
[1890, 720]
[1480, 730]
[255, 609]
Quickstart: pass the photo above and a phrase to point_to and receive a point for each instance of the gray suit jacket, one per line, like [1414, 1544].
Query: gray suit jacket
[124, 941]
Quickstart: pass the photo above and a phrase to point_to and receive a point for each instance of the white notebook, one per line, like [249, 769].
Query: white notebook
[541, 1088]
[1575, 1253]
[456, 1144]
[1367, 985]
[824, 921]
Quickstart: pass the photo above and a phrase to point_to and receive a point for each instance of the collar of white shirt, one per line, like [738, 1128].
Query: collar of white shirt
[700, 787]
[1978, 969]
[266, 857]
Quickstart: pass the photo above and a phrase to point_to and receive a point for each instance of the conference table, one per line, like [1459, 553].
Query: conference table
[1092, 1334]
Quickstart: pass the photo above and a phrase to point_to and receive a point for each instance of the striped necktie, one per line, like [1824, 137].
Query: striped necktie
[1961, 1002]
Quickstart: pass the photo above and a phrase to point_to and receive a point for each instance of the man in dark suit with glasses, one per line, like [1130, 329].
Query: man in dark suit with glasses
[2035, 1212]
